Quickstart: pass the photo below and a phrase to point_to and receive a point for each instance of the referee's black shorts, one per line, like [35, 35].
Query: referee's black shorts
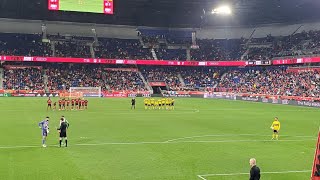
[63, 134]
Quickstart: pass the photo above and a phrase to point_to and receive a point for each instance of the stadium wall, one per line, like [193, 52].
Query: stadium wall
[270, 100]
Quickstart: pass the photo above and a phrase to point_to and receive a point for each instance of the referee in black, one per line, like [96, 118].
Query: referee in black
[63, 132]
[133, 103]
[255, 170]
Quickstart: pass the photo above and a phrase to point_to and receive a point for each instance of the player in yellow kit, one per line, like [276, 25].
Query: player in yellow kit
[145, 101]
[159, 103]
[172, 103]
[163, 103]
[167, 103]
[152, 103]
[276, 128]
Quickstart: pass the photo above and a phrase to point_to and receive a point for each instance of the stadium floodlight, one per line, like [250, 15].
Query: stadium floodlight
[223, 10]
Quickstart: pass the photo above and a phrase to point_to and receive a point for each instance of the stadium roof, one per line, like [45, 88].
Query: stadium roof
[175, 13]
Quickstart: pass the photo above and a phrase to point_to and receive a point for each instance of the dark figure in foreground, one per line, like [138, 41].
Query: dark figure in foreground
[255, 170]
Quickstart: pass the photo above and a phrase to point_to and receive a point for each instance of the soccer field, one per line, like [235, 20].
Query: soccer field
[94, 6]
[206, 137]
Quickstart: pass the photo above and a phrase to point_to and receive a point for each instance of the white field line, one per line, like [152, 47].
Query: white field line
[234, 174]
[142, 143]
[230, 135]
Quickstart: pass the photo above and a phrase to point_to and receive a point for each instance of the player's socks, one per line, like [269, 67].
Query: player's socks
[66, 143]
[43, 141]
[277, 136]
[60, 142]
[273, 135]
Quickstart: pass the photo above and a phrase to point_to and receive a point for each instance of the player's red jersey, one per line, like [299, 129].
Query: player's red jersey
[82, 102]
[72, 101]
[68, 102]
[63, 101]
[77, 101]
[86, 102]
[60, 102]
[49, 101]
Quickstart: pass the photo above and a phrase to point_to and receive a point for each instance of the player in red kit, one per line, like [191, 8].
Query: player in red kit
[68, 104]
[49, 104]
[77, 103]
[82, 103]
[63, 104]
[86, 104]
[60, 104]
[72, 104]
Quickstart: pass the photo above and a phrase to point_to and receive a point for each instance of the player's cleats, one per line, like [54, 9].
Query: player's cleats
[43, 145]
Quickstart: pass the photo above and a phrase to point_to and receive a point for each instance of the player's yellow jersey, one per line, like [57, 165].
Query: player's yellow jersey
[145, 101]
[172, 101]
[276, 125]
[152, 101]
[163, 101]
[167, 101]
[159, 102]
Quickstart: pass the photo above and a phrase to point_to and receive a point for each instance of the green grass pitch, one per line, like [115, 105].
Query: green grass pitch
[94, 6]
[111, 142]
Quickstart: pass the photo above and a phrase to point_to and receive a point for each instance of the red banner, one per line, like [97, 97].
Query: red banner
[157, 84]
[119, 61]
[296, 61]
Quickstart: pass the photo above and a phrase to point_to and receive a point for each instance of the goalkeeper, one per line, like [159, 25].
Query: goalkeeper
[276, 128]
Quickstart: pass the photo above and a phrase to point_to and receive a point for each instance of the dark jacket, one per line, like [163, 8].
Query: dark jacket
[254, 173]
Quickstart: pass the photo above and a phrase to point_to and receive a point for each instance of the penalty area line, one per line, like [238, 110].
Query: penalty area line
[234, 174]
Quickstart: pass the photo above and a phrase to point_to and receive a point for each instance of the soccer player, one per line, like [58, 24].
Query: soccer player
[77, 103]
[152, 103]
[149, 103]
[276, 128]
[49, 104]
[163, 100]
[63, 132]
[172, 103]
[133, 103]
[54, 106]
[63, 104]
[72, 104]
[145, 101]
[86, 104]
[60, 104]
[167, 103]
[68, 103]
[82, 104]
[44, 126]
[159, 103]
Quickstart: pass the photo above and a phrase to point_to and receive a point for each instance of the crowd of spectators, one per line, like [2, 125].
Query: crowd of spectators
[168, 75]
[121, 49]
[24, 45]
[124, 80]
[272, 82]
[201, 78]
[218, 50]
[171, 54]
[23, 79]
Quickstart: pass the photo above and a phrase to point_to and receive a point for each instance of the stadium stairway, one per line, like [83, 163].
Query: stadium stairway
[92, 51]
[1, 78]
[144, 81]
[154, 54]
[181, 80]
[45, 81]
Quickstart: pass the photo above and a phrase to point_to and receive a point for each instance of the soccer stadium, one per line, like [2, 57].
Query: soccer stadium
[159, 90]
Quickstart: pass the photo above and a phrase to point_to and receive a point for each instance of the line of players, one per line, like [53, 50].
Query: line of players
[68, 104]
[164, 103]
